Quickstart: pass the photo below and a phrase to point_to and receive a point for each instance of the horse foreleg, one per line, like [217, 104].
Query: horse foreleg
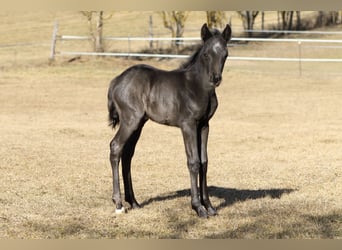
[204, 132]
[193, 160]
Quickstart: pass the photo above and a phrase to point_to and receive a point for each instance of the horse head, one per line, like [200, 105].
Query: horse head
[215, 52]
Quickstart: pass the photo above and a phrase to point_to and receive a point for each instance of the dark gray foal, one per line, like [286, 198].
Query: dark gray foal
[184, 98]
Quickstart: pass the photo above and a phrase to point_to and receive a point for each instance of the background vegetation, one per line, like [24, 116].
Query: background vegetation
[175, 21]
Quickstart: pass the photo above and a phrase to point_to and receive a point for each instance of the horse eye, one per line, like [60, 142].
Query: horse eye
[205, 55]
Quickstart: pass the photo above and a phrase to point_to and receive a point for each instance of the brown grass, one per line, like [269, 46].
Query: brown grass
[274, 152]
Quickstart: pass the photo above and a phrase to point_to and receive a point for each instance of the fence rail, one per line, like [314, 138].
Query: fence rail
[295, 32]
[237, 39]
[298, 41]
[233, 58]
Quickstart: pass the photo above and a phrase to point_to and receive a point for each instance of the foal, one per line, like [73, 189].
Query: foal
[183, 98]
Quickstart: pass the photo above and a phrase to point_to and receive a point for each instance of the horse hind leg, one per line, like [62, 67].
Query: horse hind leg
[116, 147]
[127, 155]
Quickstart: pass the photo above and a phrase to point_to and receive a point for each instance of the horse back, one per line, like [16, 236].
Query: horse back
[167, 97]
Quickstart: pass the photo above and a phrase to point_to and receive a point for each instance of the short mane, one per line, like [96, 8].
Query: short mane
[192, 59]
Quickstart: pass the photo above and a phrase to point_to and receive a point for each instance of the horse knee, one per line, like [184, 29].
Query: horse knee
[194, 166]
[204, 166]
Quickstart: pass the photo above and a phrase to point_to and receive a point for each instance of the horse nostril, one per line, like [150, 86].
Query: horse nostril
[217, 79]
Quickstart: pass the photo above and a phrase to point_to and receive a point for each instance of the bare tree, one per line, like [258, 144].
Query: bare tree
[262, 20]
[216, 19]
[248, 19]
[175, 22]
[98, 32]
[325, 18]
[95, 25]
[332, 17]
[287, 19]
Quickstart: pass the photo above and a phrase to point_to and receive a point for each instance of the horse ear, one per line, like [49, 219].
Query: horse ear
[205, 33]
[227, 33]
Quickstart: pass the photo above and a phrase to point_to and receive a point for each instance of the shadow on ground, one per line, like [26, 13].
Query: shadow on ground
[229, 195]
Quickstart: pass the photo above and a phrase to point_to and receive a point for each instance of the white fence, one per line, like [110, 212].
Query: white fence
[129, 54]
[298, 41]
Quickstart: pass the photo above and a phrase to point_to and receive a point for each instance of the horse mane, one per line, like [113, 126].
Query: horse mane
[194, 56]
[192, 59]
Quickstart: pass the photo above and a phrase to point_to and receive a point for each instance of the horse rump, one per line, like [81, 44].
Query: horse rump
[113, 115]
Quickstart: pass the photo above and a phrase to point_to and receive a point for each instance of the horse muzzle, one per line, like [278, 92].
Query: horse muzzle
[216, 79]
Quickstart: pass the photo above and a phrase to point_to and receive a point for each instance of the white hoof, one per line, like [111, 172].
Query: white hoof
[120, 211]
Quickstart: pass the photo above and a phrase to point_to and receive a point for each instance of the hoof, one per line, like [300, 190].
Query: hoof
[135, 205]
[132, 202]
[122, 210]
[212, 211]
[202, 212]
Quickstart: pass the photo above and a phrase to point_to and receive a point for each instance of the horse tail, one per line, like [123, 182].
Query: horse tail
[113, 115]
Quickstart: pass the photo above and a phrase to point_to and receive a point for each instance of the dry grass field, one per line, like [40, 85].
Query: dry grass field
[274, 149]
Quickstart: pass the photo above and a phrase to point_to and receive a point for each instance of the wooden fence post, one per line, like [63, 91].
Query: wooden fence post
[300, 57]
[53, 42]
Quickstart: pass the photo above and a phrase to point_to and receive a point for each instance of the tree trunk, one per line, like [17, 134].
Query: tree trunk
[179, 17]
[150, 25]
[168, 24]
[175, 22]
[287, 17]
[334, 17]
[99, 31]
[290, 14]
[320, 19]
[283, 18]
[248, 18]
[298, 24]
[95, 30]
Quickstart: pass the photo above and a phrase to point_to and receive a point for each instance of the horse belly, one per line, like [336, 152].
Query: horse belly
[173, 111]
[164, 107]
[163, 113]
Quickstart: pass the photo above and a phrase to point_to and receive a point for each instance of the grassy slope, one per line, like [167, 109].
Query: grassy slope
[274, 149]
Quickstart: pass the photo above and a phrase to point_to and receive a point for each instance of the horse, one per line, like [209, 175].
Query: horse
[183, 98]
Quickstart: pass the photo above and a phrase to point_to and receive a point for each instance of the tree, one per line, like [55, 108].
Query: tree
[262, 20]
[248, 19]
[175, 22]
[287, 18]
[327, 18]
[299, 22]
[95, 26]
[216, 19]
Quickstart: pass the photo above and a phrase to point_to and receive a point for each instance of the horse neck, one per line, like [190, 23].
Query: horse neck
[198, 74]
